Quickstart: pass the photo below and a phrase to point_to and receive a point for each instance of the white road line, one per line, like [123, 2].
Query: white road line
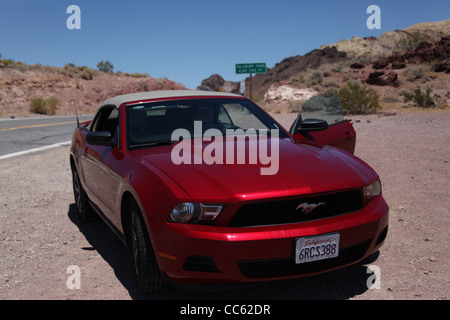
[20, 153]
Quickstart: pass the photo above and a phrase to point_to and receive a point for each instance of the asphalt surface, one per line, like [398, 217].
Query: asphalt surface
[22, 135]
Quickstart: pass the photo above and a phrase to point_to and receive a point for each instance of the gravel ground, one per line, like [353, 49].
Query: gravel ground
[41, 237]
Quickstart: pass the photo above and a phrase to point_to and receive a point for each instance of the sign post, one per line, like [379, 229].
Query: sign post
[251, 68]
[242, 87]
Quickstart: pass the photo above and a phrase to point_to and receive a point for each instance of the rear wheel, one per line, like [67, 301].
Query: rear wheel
[84, 209]
[149, 278]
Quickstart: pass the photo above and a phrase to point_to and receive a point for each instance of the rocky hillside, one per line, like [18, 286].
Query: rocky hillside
[293, 66]
[425, 68]
[333, 59]
[415, 57]
[68, 86]
[392, 42]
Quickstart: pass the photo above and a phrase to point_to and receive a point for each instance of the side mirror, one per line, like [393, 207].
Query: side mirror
[310, 125]
[101, 138]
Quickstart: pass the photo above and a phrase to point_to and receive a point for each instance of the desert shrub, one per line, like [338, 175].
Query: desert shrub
[316, 77]
[318, 88]
[336, 68]
[421, 99]
[52, 103]
[331, 82]
[21, 66]
[348, 76]
[136, 75]
[79, 86]
[358, 99]
[105, 66]
[87, 74]
[69, 70]
[392, 98]
[8, 62]
[415, 72]
[298, 79]
[296, 105]
[442, 103]
[364, 58]
[82, 72]
[40, 105]
[410, 41]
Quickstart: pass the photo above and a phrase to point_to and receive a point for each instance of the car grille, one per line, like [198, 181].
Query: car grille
[283, 211]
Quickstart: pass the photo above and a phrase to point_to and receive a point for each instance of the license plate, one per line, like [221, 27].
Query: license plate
[315, 248]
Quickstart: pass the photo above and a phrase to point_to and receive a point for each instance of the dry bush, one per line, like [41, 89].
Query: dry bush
[40, 105]
[358, 99]
[415, 72]
[296, 105]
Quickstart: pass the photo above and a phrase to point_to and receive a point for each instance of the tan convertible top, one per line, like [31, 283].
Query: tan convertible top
[118, 100]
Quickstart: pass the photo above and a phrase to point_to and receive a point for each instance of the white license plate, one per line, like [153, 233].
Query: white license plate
[315, 248]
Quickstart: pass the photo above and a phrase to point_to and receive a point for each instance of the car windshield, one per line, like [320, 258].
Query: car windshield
[153, 123]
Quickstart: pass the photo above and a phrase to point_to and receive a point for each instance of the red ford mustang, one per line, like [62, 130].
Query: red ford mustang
[206, 187]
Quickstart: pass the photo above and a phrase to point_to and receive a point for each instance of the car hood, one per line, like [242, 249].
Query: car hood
[305, 168]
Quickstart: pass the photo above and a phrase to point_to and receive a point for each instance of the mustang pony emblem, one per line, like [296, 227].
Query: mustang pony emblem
[308, 207]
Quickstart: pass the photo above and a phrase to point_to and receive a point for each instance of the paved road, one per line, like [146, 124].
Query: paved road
[21, 135]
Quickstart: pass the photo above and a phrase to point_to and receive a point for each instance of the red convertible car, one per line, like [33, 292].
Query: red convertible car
[205, 187]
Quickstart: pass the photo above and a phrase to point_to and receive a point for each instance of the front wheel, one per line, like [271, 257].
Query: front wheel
[149, 278]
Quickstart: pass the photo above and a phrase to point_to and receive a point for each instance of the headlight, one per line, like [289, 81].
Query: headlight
[372, 191]
[183, 212]
[189, 212]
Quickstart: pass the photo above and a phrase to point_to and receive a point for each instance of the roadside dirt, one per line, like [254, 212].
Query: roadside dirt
[41, 237]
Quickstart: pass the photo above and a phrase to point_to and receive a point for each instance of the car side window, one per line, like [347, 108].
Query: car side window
[327, 108]
[224, 117]
[107, 119]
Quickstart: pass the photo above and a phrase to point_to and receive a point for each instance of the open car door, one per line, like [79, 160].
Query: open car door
[340, 132]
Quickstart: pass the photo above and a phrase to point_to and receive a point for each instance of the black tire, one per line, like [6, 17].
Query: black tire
[84, 209]
[149, 278]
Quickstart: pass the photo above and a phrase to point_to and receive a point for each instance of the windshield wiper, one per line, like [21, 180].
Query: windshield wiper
[154, 143]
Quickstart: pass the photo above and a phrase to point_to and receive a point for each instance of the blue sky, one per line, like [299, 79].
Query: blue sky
[187, 41]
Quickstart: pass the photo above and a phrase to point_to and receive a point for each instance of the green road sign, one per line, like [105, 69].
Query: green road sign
[251, 68]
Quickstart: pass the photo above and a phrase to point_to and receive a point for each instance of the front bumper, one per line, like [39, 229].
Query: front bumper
[189, 253]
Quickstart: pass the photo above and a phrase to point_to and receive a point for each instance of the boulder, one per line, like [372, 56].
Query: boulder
[357, 65]
[380, 78]
[286, 93]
